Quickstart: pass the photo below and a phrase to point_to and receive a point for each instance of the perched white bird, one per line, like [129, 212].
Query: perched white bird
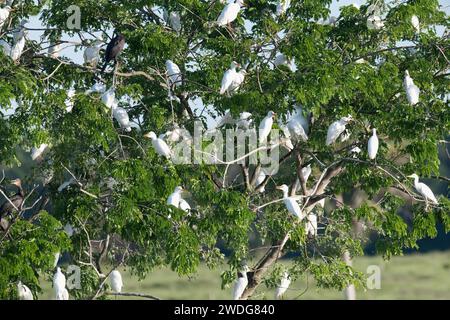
[6, 47]
[174, 135]
[241, 283]
[306, 172]
[20, 31]
[282, 7]
[283, 286]
[412, 91]
[227, 118]
[415, 23]
[175, 21]
[91, 54]
[65, 184]
[4, 14]
[230, 13]
[23, 292]
[290, 203]
[69, 101]
[238, 80]
[59, 280]
[372, 146]
[17, 49]
[174, 73]
[260, 179]
[175, 197]
[355, 151]
[54, 49]
[109, 97]
[311, 224]
[287, 142]
[159, 145]
[336, 128]
[96, 87]
[184, 205]
[116, 282]
[423, 189]
[374, 22]
[37, 152]
[62, 294]
[228, 77]
[265, 126]
[121, 115]
[298, 125]
[282, 60]
[244, 121]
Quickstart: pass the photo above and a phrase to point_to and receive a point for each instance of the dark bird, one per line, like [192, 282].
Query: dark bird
[113, 50]
[7, 208]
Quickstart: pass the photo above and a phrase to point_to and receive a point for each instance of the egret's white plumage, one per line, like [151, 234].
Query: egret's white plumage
[54, 50]
[17, 49]
[260, 179]
[415, 23]
[23, 292]
[239, 78]
[230, 13]
[298, 125]
[159, 145]
[59, 280]
[412, 91]
[4, 14]
[265, 126]
[175, 21]
[175, 197]
[423, 189]
[91, 54]
[96, 87]
[283, 286]
[37, 152]
[69, 101]
[6, 47]
[374, 22]
[121, 115]
[336, 128]
[311, 224]
[228, 77]
[173, 72]
[241, 283]
[286, 142]
[282, 6]
[184, 205]
[55, 261]
[290, 203]
[306, 172]
[372, 146]
[116, 282]
[109, 98]
[62, 294]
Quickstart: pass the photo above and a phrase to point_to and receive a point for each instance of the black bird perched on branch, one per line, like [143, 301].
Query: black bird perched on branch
[14, 202]
[113, 50]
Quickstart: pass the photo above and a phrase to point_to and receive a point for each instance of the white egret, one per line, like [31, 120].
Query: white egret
[311, 224]
[298, 125]
[241, 283]
[20, 31]
[175, 21]
[184, 205]
[23, 292]
[283, 286]
[6, 47]
[412, 91]
[423, 189]
[159, 145]
[374, 22]
[286, 142]
[109, 97]
[37, 152]
[238, 80]
[175, 197]
[62, 294]
[282, 60]
[96, 87]
[121, 115]
[260, 179]
[336, 128]
[116, 282]
[282, 7]
[306, 172]
[91, 54]
[174, 73]
[372, 146]
[17, 49]
[244, 121]
[415, 23]
[229, 13]
[290, 203]
[228, 77]
[54, 49]
[59, 280]
[4, 14]
[265, 126]
[69, 101]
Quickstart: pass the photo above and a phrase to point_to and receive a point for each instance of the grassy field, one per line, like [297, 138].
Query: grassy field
[424, 276]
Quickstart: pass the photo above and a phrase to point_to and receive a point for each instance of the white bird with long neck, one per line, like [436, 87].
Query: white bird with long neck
[238, 80]
[412, 91]
[175, 197]
[109, 98]
[265, 127]
[17, 48]
[174, 73]
[23, 292]
[283, 286]
[4, 14]
[175, 21]
[298, 125]
[91, 54]
[372, 145]
[37, 152]
[115, 279]
[306, 172]
[122, 117]
[415, 23]
[229, 13]
[159, 145]
[59, 281]
[311, 224]
[228, 77]
[336, 129]
[423, 189]
[290, 203]
[241, 283]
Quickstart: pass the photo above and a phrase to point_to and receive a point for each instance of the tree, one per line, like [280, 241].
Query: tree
[116, 198]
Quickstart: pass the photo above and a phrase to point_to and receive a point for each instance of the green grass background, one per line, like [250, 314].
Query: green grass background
[415, 276]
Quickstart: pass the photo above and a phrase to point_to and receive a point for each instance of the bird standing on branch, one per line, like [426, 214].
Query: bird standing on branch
[113, 50]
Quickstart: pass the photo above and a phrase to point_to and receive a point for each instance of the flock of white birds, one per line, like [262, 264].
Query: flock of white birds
[296, 129]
